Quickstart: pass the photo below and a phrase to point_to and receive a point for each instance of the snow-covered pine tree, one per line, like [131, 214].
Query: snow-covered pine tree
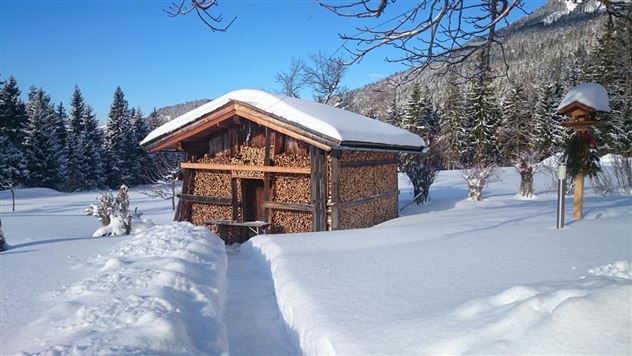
[483, 116]
[394, 114]
[153, 120]
[41, 147]
[421, 119]
[91, 141]
[75, 173]
[13, 120]
[609, 65]
[516, 135]
[116, 141]
[550, 136]
[60, 137]
[452, 120]
[411, 118]
[141, 160]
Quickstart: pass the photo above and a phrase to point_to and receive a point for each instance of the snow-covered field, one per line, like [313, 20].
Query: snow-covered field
[453, 276]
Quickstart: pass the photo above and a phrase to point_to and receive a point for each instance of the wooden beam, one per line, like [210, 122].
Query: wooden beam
[372, 163]
[351, 204]
[204, 199]
[287, 206]
[266, 175]
[318, 188]
[335, 189]
[240, 167]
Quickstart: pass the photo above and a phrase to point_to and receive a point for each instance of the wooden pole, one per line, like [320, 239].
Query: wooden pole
[578, 203]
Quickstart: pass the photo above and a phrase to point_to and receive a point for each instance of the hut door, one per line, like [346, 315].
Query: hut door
[252, 199]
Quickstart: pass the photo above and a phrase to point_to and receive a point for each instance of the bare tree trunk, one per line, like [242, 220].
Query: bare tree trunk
[13, 199]
[173, 195]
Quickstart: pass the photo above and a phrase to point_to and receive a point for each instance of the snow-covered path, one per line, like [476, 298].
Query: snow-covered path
[253, 322]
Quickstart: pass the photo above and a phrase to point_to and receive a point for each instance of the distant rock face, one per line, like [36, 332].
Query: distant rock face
[540, 47]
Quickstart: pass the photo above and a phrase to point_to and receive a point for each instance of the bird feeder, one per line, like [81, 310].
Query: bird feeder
[582, 103]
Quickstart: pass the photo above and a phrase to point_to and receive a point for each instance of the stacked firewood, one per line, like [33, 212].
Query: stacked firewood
[200, 213]
[247, 155]
[291, 160]
[366, 156]
[360, 182]
[368, 214]
[292, 188]
[286, 221]
[212, 184]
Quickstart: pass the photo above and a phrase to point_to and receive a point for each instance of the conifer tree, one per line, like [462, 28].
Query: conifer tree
[58, 126]
[91, 141]
[117, 140]
[483, 118]
[549, 134]
[451, 124]
[40, 141]
[518, 126]
[153, 120]
[75, 148]
[13, 120]
[609, 65]
[140, 158]
[394, 114]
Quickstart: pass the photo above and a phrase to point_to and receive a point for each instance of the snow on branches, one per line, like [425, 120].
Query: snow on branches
[477, 177]
[114, 213]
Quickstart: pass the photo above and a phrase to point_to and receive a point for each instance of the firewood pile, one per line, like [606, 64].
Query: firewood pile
[368, 214]
[286, 221]
[291, 160]
[252, 156]
[212, 184]
[247, 174]
[204, 212]
[360, 182]
[292, 188]
[366, 156]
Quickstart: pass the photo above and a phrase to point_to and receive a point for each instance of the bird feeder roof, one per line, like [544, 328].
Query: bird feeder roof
[591, 97]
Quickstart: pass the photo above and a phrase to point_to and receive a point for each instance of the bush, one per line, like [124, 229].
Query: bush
[615, 177]
[113, 213]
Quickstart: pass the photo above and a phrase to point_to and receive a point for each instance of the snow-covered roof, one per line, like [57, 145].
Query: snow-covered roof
[337, 124]
[590, 94]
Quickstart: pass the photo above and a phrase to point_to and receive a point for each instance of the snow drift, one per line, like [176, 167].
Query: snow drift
[161, 292]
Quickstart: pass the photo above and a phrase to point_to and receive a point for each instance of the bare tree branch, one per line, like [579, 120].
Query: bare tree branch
[292, 81]
[203, 9]
[324, 75]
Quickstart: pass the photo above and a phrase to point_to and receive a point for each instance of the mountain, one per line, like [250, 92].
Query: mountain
[168, 113]
[545, 45]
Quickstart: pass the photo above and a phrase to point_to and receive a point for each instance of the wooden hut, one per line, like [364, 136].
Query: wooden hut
[255, 159]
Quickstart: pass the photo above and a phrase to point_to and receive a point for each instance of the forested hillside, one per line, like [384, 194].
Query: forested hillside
[547, 45]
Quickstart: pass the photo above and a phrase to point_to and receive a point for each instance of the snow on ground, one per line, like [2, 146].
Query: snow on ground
[252, 315]
[455, 276]
[161, 291]
[62, 290]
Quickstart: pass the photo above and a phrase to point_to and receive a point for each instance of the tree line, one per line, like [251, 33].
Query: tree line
[43, 144]
[475, 126]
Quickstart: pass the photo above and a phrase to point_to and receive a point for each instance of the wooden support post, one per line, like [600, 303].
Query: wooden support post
[578, 203]
[266, 176]
[335, 189]
[319, 188]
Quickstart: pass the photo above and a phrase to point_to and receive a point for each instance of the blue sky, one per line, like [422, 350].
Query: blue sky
[158, 60]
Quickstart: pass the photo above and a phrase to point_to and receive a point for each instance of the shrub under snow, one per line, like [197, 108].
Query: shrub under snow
[115, 215]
